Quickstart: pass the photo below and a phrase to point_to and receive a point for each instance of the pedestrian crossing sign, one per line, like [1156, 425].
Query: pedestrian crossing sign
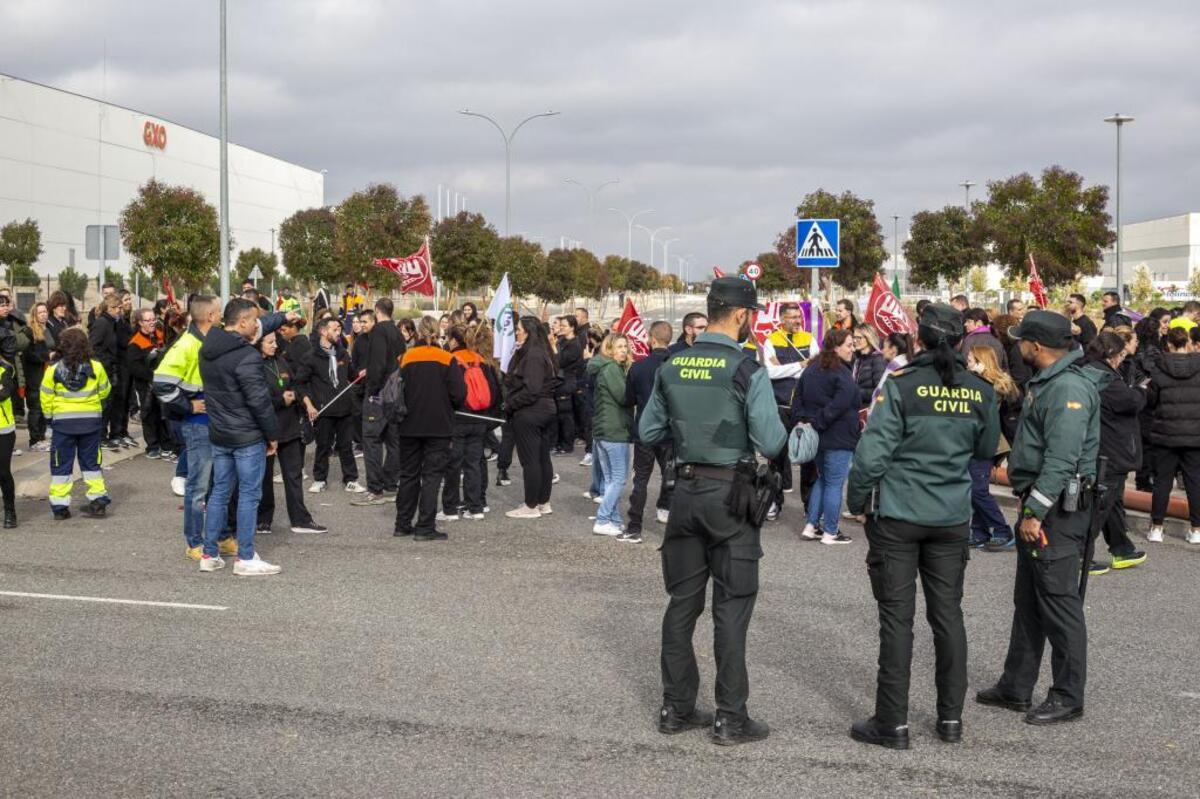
[818, 242]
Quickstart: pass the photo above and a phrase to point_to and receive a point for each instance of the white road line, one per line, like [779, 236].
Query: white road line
[109, 600]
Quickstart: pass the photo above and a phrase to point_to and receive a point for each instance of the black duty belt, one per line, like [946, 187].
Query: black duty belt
[689, 471]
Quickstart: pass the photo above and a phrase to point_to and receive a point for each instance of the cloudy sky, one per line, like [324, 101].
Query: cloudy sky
[720, 116]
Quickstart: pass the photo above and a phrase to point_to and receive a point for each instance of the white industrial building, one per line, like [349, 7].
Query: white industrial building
[1169, 248]
[70, 161]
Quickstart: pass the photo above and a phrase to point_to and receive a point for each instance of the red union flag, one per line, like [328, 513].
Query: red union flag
[1035, 284]
[765, 322]
[631, 326]
[884, 311]
[717, 272]
[415, 272]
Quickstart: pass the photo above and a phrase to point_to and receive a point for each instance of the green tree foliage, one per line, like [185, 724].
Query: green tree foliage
[172, 231]
[617, 269]
[556, 282]
[523, 261]
[1142, 291]
[641, 278]
[588, 276]
[1194, 284]
[256, 256]
[861, 246]
[23, 275]
[1063, 224]
[20, 246]
[143, 283]
[116, 278]
[73, 282]
[464, 249]
[977, 280]
[943, 244]
[306, 239]
[377, 222]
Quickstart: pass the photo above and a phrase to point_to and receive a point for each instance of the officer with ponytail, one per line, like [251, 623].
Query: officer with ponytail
[909, 476]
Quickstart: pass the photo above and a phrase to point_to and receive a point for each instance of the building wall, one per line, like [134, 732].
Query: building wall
[1169, 248]
[69, 161]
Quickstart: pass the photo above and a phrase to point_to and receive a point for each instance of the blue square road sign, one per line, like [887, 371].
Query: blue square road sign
[818, 243]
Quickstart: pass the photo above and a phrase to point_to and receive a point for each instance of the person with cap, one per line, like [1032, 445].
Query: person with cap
[718, 407]
[1054, 458]
[909, 476]
[8, 424]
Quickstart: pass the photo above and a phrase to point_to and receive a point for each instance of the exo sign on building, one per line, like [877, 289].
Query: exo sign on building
[154, 135]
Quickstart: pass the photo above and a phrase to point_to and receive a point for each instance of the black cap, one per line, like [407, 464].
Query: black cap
[1047, 328]
[945, 319]
[734, 292]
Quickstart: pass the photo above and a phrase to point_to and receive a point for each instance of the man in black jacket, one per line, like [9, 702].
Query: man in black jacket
[1114, 314]
[570, 367]
[323, 379]
[243, 430]
[639, 385]
[102, 334]
[381, 446]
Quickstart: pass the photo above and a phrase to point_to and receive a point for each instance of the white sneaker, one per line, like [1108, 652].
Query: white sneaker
[587, 495]
[524, 512]
[277, 479]
[810, 532]
[663, 515]
[1193, 536]
[468, 516]
[354, 488]
[442, 517]
[208, 564]
[255, 567]
[545, 510]
[587, 460]
[1155, 536]
[487, 509]
[598, 498]
[317, 487]
[41, 446]
[606, 528]
[179, 486]
[827, 538]
[556, 479]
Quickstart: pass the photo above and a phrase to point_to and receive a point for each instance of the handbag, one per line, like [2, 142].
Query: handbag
[803, 443]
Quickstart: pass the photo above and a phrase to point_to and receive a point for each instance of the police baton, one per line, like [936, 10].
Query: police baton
[480, 417]
[336, 396]
[1099, 510]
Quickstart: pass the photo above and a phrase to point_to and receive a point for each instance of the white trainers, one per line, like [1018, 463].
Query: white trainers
[606, 528]
[556, 479]
[810, 532]
[1155, 536]
[828, 538]
[524, 512]
[1193, 536]
[208, 564]
[277, 479]
[179, 486]
[587, 460]
[545, 509]
[317, 487]
[587, 495]
[354, 488]
[255, 567]
[663, 515]
[468, 516]
[442, 517]
[597, 498]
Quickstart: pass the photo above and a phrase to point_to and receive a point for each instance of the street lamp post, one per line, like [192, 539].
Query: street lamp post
[684, 261]
[508, 139]
[592, 191]
[666, 245]
[629, 221]
[895, 246]
[1119, 120]
[653, 235]
[224, 167]
[967, 184]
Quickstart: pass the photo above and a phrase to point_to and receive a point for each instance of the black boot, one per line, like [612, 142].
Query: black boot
[10, 518]
[995, 697]
[1053, 711]
[950, 731]
[872, 731]
[730, 730]
[61, 514]
[672, 723]
[95, 509]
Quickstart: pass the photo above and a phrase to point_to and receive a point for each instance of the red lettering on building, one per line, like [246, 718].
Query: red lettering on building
[155, 135]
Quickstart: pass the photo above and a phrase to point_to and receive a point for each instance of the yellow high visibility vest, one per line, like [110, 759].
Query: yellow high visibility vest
[59, 403]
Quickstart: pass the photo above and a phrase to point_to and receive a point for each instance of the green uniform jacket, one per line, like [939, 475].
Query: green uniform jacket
[918, 441]
[612, 419]
[1058, 435]
[709, 402]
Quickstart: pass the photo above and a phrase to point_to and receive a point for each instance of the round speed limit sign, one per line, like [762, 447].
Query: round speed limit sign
[753, 271]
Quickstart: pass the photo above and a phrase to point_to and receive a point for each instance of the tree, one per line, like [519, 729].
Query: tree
[73, 282]
[588, 278]
[555, 283]
[172, 231]
[464, 248]
[23, 275]
[116, 278]
[523, 261]
[861, 241]
[377, 223]
[977, 280]
[617, 269]
[143, 283]
[1194, 285]
[20, 246]
[942, 244]
[641, 278]
[256, 256]
[306, 240]
[1142, 291]
[1063, 224]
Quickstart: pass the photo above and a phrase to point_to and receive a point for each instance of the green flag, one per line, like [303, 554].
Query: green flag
[896, 285]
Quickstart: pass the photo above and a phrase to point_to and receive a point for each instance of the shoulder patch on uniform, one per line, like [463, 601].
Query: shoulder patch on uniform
[1074, 406]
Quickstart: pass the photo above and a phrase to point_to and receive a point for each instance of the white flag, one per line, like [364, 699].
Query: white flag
[504, 330]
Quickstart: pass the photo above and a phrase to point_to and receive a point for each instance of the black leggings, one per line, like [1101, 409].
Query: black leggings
[7, 487]
[534, 429]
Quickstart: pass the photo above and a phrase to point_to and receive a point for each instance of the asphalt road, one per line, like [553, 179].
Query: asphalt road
[521, 659]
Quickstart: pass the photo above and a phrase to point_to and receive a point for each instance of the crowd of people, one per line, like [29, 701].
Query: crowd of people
[230, 391]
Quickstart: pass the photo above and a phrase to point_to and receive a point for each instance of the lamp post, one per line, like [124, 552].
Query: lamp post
[1119, 120]
[508, 138]
[895, 245]
[666, 245]
[592, 191]
[653, 235]
[629, 221]
[684, 261]
[967, 184]
[224, 167]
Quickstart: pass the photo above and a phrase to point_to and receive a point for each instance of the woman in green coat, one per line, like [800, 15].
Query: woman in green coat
[612, 427]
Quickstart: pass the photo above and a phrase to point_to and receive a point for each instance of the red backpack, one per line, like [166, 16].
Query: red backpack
[479, 393]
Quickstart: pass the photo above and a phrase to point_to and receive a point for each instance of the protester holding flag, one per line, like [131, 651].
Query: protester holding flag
[530, 383]
[786, 349]
[612, 428]
[324, 380]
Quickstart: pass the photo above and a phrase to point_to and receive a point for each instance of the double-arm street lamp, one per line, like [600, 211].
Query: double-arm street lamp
[629, 218]
[592, 191]
[653, 235]
[508, 139]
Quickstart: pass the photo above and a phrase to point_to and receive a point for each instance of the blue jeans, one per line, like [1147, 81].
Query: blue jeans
[825, 504]
[987, 520]
[199, 477]
[614, 462]
[181, 467]
[243, 468]
[597, 486]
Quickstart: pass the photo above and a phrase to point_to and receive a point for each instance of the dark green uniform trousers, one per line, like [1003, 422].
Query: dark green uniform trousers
[897, 552]
[704, 539]
[1047, 606]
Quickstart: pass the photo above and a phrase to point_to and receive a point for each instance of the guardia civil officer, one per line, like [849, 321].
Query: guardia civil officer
[718, 407]
[930, 419]
[1053, 460]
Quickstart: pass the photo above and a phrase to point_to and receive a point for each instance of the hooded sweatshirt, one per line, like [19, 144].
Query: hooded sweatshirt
[235, 391]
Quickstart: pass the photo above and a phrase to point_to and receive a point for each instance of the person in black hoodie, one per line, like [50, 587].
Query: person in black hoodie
[323, 379]
[570, 365]
[530, 384]
[639, 385]
[381, 446]
[102, 335]
[243, 430]
[1120, 442]
[1114, 314]
[289, 451]
[1175, 431]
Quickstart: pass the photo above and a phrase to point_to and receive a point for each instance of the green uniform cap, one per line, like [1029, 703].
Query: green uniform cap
[735, 292]
[1047, 328]
[945, 319]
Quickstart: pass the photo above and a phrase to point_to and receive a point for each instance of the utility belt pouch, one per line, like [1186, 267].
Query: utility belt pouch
[742, 499]
[766, 487]
[1071, 494]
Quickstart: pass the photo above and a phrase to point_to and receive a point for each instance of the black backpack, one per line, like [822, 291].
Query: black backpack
[392, 397]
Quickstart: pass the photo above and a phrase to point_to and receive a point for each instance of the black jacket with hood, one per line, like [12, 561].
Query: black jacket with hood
[1175, 397]
[1120, 433]
[236, 396]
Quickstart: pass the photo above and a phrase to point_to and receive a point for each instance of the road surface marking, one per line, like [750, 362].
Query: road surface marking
[184, 605]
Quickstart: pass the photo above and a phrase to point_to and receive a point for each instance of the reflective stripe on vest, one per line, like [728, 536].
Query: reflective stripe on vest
[180, 366]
